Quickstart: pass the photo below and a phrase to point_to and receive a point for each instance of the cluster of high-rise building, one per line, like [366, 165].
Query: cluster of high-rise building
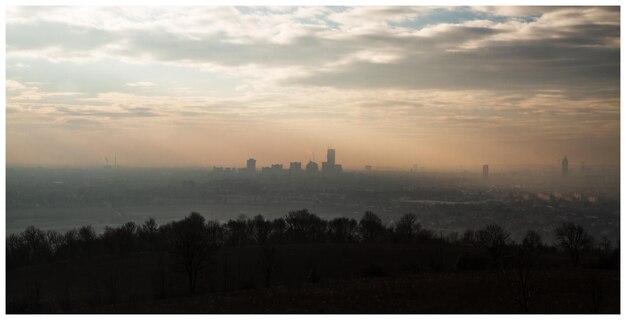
[328, 167]
[331, 167]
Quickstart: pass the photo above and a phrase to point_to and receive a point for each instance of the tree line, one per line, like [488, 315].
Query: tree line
[192, 243]
[194, 233]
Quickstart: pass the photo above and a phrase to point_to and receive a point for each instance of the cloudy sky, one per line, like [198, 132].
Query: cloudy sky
[398, 86]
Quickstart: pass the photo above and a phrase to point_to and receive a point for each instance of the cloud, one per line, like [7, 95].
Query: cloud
[140, 84]
[355, 47]
[508, 73]
[18, 91]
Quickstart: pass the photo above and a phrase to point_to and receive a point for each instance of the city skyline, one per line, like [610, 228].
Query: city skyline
[312, 166]
[388, 86]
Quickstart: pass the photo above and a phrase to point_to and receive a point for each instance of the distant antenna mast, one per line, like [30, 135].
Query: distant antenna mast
[115, 161]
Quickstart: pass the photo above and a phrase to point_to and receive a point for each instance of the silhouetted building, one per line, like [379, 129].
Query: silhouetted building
[275, 169]
[330, 166]
[330, 156]
[485, 171]
[564, 166]
[312, 167]
[368, 168]
[251, 165]
[295, 168]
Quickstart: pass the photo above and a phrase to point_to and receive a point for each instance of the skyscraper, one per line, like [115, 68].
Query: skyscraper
[330, 157]
[565, 166]
[329, 166]
[251, 165]
[485, 171]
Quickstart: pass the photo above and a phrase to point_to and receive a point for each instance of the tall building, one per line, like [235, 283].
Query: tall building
[251, 165]
[330, 157]
[485, 171]
[329, 166]
[564, 166]
[312, 167]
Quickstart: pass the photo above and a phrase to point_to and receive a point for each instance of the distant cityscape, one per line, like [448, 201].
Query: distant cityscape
[329, 167]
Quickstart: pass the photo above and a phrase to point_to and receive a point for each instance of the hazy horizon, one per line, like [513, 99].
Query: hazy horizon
[473, 168]
[441, 88]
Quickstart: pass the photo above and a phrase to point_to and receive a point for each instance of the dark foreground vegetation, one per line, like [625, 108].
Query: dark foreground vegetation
[304, 264]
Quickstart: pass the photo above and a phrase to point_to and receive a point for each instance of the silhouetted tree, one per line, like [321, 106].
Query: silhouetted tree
[522, 278]
[71, 244]
[37, 244]
[17, 252]
[111, 244]
[608, 257]
[239, 232]
[469, 237]
[191, 243]
[495, 239]
[128, 235]
[55, 241]
[87, 238]
[216, 233]
[261, 229]
[279, 228]
[303, 226]
[573, 239]
[407, 228]
[342, 230]
[121, 240]
[149, 232]
[371, 227]
[532, 241]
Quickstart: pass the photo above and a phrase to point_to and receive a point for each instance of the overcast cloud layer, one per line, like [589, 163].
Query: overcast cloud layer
[437, 87]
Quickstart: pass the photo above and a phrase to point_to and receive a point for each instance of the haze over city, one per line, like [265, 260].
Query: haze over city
[385, 86]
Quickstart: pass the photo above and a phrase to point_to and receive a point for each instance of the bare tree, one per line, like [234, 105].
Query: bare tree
[149, 231]
[36, 243]
[573, 239]
[469, 237]
[260, 229]
[495, 239]
[303, 226]
[87, 237]
[192, 244]
[342, 229]
[532, 240]
[239, 231]
[371, 227]
[522, 278]
[407, 228]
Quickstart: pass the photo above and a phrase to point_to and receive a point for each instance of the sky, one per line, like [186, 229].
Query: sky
[436, 87]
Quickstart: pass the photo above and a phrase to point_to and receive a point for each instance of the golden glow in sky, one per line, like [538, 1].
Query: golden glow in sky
[397, 86]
